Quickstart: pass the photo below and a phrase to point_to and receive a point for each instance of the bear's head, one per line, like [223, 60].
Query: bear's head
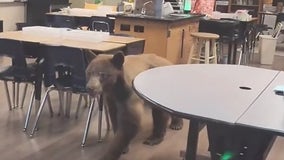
[103, 71]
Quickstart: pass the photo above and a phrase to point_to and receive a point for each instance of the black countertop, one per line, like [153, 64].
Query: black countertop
[169, 18]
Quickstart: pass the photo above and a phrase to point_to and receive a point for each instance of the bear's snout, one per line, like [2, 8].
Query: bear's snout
[94, 86]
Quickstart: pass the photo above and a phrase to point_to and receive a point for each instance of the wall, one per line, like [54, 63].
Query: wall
[12, 13]
[77, 3]
[80, 3]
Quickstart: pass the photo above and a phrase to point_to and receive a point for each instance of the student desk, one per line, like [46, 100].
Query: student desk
[215, 93]
[82, 42]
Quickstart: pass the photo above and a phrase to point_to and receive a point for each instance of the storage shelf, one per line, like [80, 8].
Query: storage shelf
[251, 5]
[244, 5]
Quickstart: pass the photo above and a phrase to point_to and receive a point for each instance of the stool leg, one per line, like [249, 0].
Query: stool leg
[200, 44]
[207, 50]
[192, 50]
[214, 51]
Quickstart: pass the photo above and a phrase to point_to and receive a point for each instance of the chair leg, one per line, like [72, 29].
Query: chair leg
[240, 57]
[68, 103]
[24, 95]
[29, 111]
[39, 112]
[49, 104]
[101, 105]
[8, 95]
[78, 106]
[88, 122]
[14, 94]
[86, 100]
[107, 116]
[61, 102]
[17, 94]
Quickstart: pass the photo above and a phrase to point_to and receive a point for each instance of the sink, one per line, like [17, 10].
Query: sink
[138, 15]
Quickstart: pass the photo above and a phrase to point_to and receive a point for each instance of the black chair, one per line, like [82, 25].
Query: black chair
[62, 21]
[64, 71]
[19, 71]
[104, 24]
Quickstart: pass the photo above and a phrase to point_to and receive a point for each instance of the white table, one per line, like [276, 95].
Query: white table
[202, 92]
[267, 112]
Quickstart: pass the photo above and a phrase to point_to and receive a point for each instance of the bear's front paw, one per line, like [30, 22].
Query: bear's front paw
[176, 124]
[126, 149]
[152, 140]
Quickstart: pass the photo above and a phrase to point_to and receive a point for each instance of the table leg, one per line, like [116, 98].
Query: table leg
[192, 140]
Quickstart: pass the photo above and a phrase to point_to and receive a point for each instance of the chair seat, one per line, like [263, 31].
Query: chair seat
[11, 73]
[66, 83]
[205, 35]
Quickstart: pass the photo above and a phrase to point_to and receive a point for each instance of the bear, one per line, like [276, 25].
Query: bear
[112, 75]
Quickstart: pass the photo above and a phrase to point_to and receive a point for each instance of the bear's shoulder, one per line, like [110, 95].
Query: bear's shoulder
[135, 64]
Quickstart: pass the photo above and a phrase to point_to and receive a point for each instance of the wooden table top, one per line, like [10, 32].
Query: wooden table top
[107, 44]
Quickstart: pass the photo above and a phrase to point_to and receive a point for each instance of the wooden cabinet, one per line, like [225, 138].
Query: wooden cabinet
[168, 39]
[254, 6]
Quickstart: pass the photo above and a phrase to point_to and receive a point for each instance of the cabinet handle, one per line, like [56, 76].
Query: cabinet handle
[182, 41]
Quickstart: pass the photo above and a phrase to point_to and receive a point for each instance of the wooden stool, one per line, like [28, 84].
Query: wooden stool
[199, 39]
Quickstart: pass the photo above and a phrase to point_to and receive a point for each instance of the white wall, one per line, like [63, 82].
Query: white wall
[77, 3]
[12, 13]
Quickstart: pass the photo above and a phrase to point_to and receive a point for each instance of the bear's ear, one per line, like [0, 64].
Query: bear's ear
[118, 60]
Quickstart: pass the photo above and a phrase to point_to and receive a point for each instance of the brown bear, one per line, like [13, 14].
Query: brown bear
[112, 75]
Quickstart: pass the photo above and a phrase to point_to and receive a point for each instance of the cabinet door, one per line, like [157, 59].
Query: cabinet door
[187, 41]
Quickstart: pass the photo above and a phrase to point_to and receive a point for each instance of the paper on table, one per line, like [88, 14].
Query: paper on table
[7, 1]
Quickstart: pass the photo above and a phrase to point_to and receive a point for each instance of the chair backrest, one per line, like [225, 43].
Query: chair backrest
[60, 61]
[279, 18]
[100, 26]
[62, 21]
[104, 24]
[15, 50]
[277, 30]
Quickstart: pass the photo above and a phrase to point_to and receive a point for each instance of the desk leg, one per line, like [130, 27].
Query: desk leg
[192, 140]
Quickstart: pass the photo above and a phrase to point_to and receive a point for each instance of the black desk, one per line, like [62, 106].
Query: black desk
[231, 32]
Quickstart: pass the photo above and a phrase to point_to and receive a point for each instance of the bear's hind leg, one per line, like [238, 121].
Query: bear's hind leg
[160, 121]
[176, 123]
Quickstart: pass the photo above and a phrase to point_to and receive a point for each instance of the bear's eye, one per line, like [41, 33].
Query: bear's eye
[104, 75]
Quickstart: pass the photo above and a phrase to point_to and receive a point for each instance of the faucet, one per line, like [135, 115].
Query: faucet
[143, 10]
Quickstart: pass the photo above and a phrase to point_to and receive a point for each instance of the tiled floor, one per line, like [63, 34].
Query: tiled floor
[59, 137]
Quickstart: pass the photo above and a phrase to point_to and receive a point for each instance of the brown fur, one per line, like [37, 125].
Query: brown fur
[113, 75]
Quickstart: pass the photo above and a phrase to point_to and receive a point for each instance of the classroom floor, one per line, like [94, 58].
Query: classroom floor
[60, 137]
